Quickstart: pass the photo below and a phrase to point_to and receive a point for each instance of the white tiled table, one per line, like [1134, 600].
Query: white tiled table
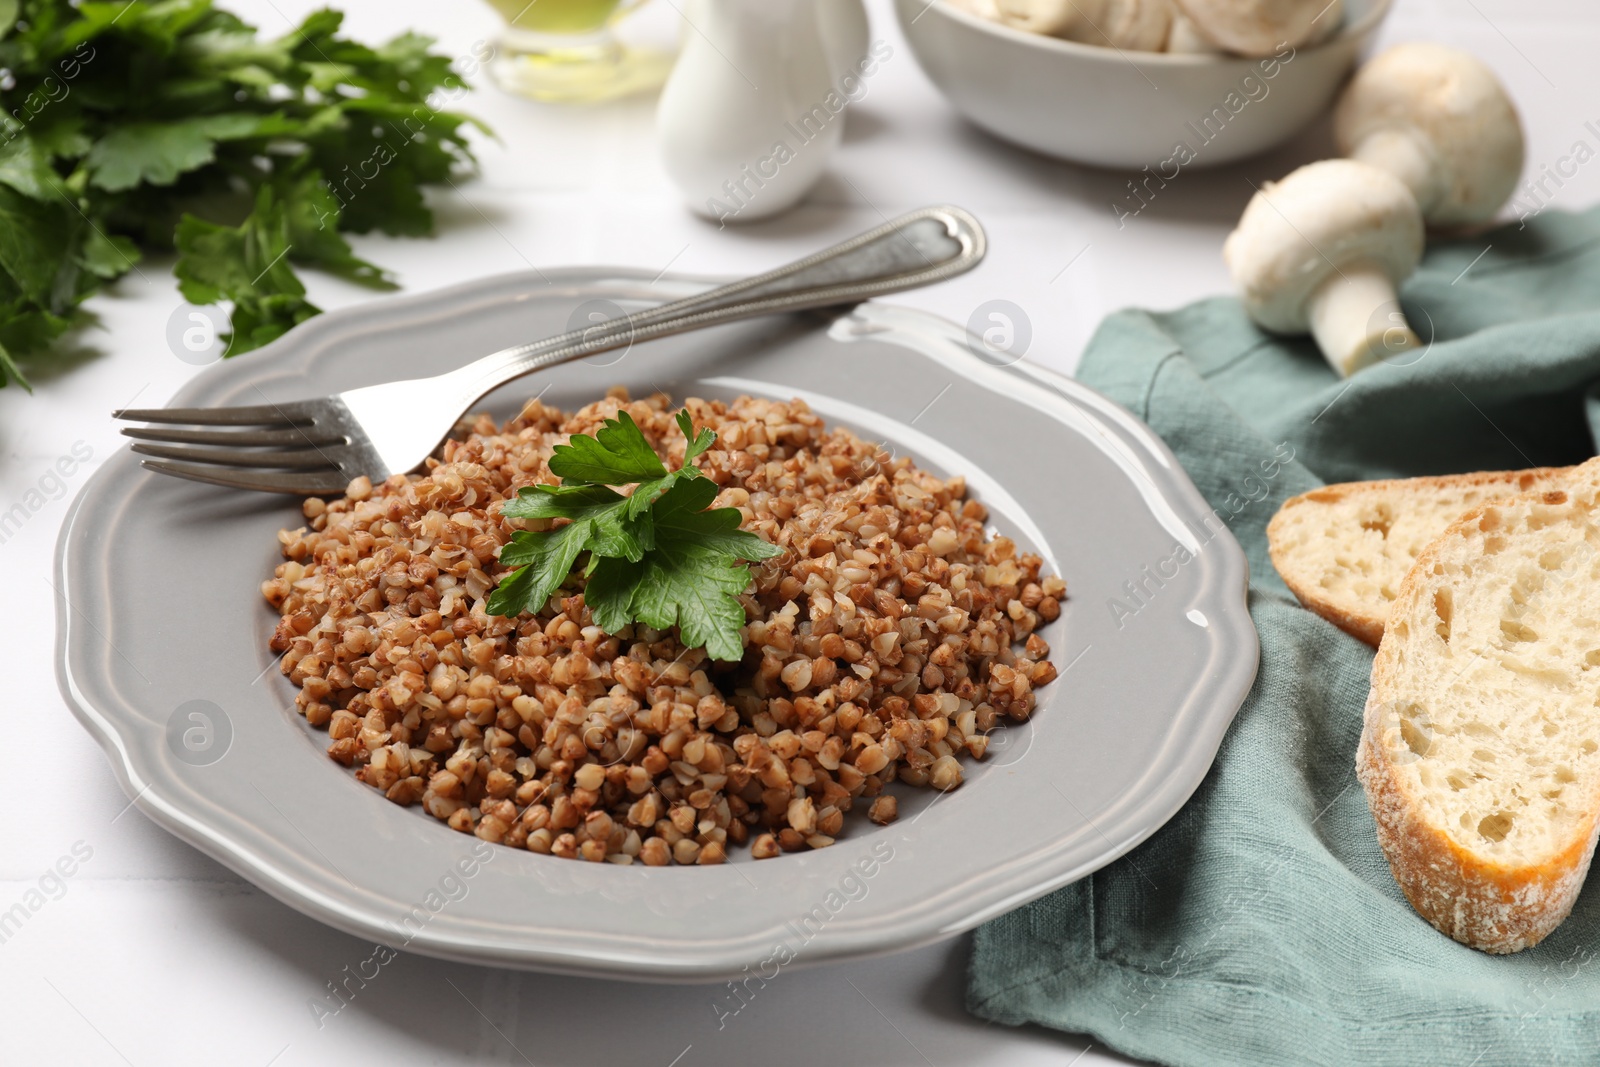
[154, 955]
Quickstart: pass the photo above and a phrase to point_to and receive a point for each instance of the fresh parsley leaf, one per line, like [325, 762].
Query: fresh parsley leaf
[248, 265]
[597, 524]
[61, 137]
[561, 501]
[695, 589]
[610, 531]
[251, 264]
[9, 370]
[609, 593]
[157, 152]
[545, 560]
[657, 556]
[131, 126]
[312, 215]
[236, 262]
[26, 168]
[681, 515]
[29, 243]
[617, 455]
[108, 256]
[693, 577]
[697, 443]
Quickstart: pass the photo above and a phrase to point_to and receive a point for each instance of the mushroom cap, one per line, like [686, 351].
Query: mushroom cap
[1136, 25]
[1454, 106]
[1255, 27]
[1329, 23]
[984, 9]
[1184, 38]
[1053, 18]
[1296, 233]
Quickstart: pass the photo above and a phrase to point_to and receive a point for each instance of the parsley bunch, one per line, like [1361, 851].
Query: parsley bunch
[656, 556]
[130, 125]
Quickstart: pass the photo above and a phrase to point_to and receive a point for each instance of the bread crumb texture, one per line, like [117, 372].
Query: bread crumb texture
[1343, 550]
[1480, 753]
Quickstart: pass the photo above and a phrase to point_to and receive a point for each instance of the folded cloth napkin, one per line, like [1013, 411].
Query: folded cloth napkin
[1262, 924]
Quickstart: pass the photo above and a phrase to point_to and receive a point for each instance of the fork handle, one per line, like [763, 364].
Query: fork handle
[923, 247]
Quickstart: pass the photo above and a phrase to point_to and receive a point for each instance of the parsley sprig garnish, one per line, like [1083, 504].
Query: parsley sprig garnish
[655, 556]
[137, 126]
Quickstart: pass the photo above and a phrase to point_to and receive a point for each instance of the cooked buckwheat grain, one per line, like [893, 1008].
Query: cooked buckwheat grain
[880, 647]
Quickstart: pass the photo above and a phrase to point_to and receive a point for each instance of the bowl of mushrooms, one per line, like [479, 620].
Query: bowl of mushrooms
[1163, 84]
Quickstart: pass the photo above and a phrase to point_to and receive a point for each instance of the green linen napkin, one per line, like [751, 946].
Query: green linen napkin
[1262, 925]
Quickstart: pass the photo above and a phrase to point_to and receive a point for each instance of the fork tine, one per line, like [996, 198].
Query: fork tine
[300, 483]
[294, 413]
[307, 459]
[307, 437]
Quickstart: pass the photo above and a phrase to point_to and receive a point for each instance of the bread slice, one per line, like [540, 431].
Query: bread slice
[1343, 549]
[1480, 748]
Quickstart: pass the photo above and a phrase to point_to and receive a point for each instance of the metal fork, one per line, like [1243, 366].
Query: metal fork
[319, 446]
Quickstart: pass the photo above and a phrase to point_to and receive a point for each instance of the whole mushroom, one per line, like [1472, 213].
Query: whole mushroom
[1134, 25]
[1053, 18]
[1183, 37]
[1259, 27]
[1323, 250]
[1329, 21]
[1440, 121]
[984, 9]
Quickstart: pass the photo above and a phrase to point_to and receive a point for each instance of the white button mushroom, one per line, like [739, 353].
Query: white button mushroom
[1329, 21]
[1323, 250]
[1440, 121]
[1257, 27]
[1053, 18]
[984, 9]
[1133, 25]
[1136, 25]
[1185, 38]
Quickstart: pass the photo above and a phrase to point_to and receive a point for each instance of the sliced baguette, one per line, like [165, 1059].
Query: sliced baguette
[1343, 549]
[1480, 747]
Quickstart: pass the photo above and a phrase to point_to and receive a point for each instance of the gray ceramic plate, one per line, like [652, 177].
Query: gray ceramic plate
[163, 652]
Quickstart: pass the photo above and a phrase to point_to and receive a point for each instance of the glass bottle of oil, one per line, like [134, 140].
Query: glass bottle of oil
[566, 51]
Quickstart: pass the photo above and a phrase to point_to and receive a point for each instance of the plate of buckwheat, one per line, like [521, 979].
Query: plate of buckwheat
[784, 641]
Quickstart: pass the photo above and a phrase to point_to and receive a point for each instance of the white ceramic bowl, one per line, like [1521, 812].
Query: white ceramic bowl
[1113, 108]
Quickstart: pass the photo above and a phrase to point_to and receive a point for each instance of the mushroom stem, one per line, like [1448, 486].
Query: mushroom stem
[1408, 156]
[1356, 318]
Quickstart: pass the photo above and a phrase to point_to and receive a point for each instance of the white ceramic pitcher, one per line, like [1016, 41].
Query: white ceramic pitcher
[846, 34]
[752, 111]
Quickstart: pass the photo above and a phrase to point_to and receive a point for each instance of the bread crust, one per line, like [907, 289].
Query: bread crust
[1367, 627]
[1491, 907]
[1495, 907]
